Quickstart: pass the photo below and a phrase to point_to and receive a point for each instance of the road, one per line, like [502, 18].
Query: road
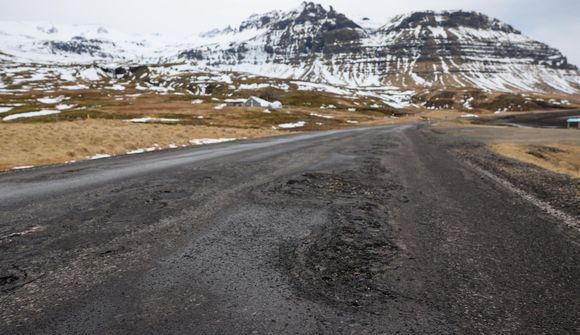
[361, 231]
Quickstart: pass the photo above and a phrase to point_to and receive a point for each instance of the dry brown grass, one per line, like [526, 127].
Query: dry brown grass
[82, 134]
[560, 158]
[443, 114]
[51, 143]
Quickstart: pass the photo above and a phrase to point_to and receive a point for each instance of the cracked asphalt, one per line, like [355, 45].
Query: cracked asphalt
[361, 231]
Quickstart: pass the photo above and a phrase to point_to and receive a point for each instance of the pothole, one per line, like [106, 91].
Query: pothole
[326, 185]
[12, 278]
[345, 262]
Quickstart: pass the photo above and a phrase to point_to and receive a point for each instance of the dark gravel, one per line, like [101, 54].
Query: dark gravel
[560, 191]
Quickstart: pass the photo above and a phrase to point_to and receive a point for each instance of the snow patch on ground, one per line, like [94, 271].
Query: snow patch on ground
[23, 167]
[298, 124]
[322, 116]
[254, 86]
[75, 87]
[307, 86]
[153, 120]
[136, 151]
[154, 147]
[116, 87]
[99, 156]
[30, 114]
[90, 74]
[63, 107]
[51, 101]
[467, 103]
[202, 141]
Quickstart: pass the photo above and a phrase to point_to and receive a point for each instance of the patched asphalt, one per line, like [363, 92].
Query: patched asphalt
[364, 231]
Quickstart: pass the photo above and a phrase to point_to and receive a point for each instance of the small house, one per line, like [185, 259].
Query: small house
[253, 102]
[257, 102]
[573, 122]
[235, 102]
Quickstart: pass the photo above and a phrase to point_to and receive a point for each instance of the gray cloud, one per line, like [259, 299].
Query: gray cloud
[553, 22]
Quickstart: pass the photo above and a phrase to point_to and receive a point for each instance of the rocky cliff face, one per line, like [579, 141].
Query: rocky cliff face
[467, 49]
[422, 49]
[291, 38]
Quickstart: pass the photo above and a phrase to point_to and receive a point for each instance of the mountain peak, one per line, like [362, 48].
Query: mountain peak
[259, 21]
[311, 7]
[307, 11]
[317, 14]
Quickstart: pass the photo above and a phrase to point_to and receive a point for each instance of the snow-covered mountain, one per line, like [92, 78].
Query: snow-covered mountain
[417, 51]
[44, 42]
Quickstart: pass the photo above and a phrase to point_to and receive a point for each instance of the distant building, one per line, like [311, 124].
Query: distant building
[253, 102]
[235, 102]
[257, 102]
[575, 121]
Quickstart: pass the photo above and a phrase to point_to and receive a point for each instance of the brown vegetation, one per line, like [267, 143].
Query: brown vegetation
[560, 158]
[58, 142]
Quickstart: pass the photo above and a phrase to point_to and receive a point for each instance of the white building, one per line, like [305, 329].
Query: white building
[253, 102]
[258, 102]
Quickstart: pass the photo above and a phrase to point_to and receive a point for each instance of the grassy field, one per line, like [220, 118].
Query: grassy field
[560, 158]
[97, 118]
[102, 126]
[99, 122]
[34, 144]
[556, 150]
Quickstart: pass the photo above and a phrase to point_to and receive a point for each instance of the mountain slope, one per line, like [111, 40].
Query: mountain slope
[422, 51]
[419, 50]
[470, 49]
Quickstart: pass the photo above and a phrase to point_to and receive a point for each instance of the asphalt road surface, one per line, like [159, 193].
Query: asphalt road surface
[364, 231]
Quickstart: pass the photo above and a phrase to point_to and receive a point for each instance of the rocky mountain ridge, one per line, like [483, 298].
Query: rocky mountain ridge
[418, 51]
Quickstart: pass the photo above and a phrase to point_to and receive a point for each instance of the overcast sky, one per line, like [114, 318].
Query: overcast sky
[555, 22]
